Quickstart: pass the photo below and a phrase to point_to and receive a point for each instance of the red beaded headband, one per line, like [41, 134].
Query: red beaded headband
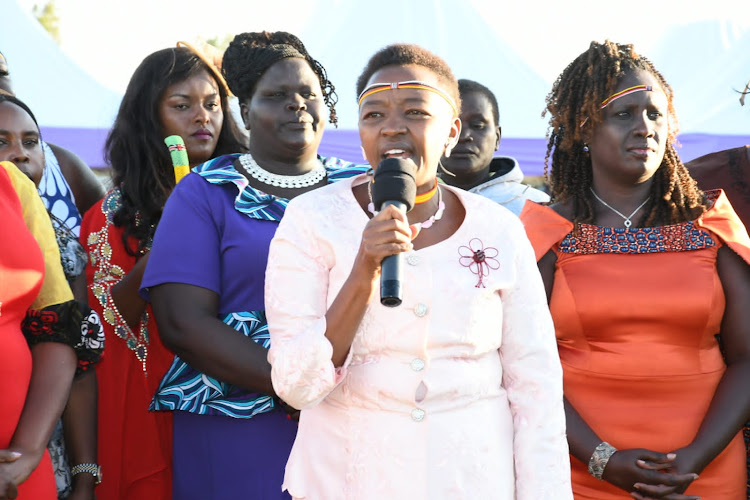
[606, 102]
[412, 84]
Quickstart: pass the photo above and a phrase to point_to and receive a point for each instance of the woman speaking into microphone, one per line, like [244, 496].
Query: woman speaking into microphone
[455, 392]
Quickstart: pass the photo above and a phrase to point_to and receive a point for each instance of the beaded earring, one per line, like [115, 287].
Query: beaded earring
[585, 148]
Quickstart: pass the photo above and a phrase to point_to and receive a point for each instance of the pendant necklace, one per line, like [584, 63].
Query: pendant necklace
[627, 218]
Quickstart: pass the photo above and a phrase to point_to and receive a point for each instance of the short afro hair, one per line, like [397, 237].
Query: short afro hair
[403, 54]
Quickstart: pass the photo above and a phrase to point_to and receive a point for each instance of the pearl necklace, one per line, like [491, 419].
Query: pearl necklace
[283, 181]
[420, 225]
[627, 222]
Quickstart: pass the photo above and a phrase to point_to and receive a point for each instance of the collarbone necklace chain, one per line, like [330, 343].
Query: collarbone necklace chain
[420, 225]
[627, 218]
[283, 181]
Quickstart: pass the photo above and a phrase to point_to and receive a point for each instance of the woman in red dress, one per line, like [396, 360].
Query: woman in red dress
[173, 92]
[36, 314]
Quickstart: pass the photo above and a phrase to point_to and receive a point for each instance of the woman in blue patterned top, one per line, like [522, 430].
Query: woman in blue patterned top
[206, 274]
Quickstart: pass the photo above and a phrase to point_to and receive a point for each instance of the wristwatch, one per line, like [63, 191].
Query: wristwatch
[93, 469]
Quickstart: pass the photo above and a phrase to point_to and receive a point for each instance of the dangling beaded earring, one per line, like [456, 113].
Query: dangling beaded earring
[585, 148]
[364, 156]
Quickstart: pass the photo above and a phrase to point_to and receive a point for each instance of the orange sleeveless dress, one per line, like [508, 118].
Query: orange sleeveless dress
[636, 312]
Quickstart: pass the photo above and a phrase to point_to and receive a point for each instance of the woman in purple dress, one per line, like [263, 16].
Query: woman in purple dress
[205, 276]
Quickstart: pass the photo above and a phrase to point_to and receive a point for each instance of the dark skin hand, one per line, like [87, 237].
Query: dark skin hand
[667, 476]
[8, 489]
[54, 365]
[86, 188]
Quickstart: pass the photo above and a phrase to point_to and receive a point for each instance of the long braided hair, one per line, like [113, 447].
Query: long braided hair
[249, 56]
[574, 100]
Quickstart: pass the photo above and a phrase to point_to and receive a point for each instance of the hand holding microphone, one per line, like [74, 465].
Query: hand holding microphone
[394, 184]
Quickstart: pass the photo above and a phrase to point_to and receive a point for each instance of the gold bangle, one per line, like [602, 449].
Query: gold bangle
[93, 469]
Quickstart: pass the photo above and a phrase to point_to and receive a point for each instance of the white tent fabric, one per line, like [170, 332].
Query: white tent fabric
[60, 93]
[343, 35]
[706, 63]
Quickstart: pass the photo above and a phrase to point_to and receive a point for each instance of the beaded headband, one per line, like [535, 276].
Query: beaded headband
[412, 84]
[638, 88]
[609, 100]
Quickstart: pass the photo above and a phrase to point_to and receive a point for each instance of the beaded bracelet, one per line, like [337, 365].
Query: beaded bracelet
[600, 458]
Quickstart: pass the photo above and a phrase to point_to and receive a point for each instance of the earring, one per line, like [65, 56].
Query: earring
[364, 156]
[585, 148]
[448, 172]
[448, 149]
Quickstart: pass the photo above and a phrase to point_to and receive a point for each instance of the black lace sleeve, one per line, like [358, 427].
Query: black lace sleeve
[72, 323]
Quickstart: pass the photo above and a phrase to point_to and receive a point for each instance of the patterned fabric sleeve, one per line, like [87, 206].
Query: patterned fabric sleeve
[71, 323]
[300, 355]
[532, 377]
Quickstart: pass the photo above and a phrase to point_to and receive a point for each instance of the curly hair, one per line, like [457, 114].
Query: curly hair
[574, 108]
[249, 56]
[468, 86]
[401, 54]
[141, 165]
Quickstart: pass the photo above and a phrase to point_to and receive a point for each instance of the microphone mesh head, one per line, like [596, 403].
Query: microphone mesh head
[395, 181]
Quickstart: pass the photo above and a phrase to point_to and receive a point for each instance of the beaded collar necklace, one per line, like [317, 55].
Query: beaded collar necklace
[284, 181]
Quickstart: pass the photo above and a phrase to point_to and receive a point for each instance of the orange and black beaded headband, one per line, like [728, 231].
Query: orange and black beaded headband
[606, 102]
[412, 84]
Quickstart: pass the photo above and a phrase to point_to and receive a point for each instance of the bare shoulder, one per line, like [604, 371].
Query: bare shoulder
[86, 187]
[564, 209]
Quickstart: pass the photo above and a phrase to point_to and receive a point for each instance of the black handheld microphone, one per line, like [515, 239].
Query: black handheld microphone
[394, 184]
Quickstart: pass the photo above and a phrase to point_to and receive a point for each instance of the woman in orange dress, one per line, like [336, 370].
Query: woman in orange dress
[36, 322]
[643, 271]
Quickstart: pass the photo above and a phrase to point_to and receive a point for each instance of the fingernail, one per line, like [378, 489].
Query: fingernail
[15, 454]
[671, 456]
[696, 476]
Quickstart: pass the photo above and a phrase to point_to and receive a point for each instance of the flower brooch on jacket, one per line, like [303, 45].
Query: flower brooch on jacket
[479, 259]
